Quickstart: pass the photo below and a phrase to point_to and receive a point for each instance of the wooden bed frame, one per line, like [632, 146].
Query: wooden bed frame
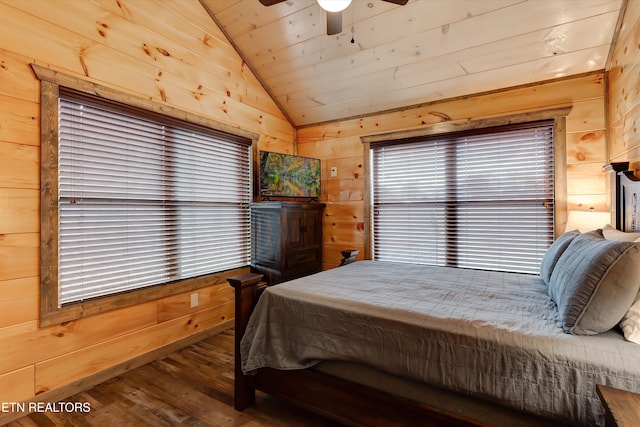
[354, 404]
[345, 401]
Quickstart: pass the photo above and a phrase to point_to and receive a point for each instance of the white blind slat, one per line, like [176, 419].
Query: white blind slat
[143, 202]
[481, 200]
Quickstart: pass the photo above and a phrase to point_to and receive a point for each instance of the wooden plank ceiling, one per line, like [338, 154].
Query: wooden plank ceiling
[401, 56]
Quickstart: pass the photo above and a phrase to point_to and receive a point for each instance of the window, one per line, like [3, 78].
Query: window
[144, 201]
[136, 198]
[476, 199]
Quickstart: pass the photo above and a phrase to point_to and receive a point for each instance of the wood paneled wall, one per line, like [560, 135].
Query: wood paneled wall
[167, 51]
[171, 52]
[624, 89]
[339, 145]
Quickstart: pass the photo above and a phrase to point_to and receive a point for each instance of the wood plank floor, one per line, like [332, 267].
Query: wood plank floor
[191, 387]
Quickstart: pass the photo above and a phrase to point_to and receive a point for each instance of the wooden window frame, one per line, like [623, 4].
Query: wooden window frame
[50, 313]
[558, 115]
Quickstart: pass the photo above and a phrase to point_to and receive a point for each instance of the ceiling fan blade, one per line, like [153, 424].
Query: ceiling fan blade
[398, 2]
[270, 2]
[334, 23]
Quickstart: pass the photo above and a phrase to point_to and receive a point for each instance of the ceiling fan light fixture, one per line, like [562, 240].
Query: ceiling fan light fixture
[334, 5]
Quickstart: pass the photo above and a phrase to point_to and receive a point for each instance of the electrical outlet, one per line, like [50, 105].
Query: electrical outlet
[334, 171]
[194, 300]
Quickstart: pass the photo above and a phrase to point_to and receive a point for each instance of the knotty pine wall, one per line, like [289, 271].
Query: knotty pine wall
[339, 145]
[163, 50]
[624, 90]
[173, 53]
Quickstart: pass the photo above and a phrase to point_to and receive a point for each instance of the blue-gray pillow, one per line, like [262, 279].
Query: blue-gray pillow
[594, 283]
[552, 255]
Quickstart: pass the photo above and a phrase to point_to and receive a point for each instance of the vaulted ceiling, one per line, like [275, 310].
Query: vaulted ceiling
[389, 57]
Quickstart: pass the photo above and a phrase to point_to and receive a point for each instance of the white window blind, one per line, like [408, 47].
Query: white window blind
[145, 200]
[480, 199]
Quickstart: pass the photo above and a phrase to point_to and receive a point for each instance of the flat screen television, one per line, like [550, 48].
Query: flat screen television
[286, 175]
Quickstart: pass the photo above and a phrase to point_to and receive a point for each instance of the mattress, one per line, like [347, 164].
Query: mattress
[485, 334]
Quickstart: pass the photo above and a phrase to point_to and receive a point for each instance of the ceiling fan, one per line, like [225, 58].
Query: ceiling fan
[334, 10]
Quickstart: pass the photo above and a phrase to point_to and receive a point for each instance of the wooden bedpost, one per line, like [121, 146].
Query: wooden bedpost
[248, 288]
[613, 187]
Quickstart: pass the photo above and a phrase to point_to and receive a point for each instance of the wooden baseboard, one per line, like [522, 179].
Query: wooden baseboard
[93, 380]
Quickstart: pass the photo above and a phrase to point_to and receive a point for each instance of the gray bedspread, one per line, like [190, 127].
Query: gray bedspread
[488, 334]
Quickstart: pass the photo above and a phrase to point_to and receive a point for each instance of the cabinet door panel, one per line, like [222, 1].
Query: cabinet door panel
[312, 228]
[295, 229]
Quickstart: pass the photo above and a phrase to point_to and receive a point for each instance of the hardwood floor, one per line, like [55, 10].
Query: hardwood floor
[191, 387]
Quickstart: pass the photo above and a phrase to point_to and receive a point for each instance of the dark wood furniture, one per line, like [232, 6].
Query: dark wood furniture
[286, 239]
[347, 402]
[348, 256]
[621, 407]
[355, 404]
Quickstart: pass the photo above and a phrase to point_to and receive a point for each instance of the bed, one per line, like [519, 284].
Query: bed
[415, 344]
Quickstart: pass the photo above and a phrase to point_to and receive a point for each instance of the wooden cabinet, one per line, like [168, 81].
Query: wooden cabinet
[286, 239]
